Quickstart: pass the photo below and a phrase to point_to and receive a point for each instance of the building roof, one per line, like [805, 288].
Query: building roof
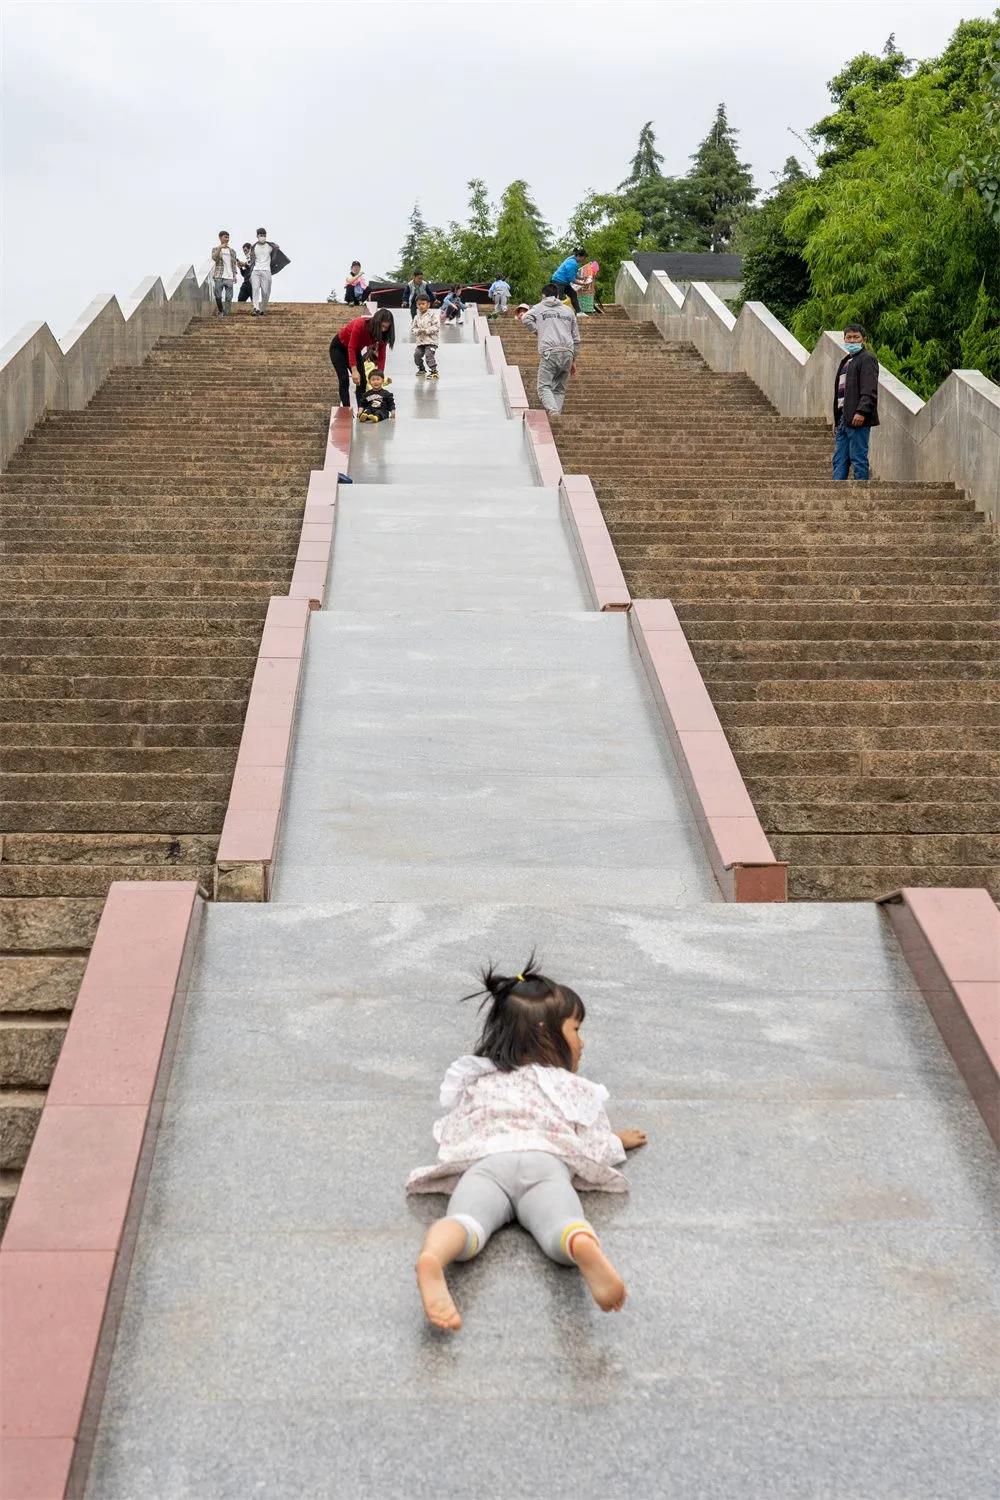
[691, 267]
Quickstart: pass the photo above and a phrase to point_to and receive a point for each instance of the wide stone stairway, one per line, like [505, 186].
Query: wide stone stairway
[479, 769]
[141, 540]
[847, 633]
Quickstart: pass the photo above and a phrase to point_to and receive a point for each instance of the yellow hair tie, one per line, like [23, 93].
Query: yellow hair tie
[519, 978]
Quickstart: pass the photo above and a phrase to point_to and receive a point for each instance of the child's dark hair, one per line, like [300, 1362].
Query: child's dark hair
[553, 289]
[524, 1019]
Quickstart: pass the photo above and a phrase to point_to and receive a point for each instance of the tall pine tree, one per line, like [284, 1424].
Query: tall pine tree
[719, 187]
[646, 162]
[409, 250]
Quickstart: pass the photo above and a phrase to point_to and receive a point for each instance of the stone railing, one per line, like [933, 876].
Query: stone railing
[954, 437]
[40, 373]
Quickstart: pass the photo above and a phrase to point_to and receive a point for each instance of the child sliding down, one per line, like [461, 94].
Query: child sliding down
[377, 404]
[522, 1132]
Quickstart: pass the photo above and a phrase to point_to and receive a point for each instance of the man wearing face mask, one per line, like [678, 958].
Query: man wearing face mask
[855, 405]
[267, 259]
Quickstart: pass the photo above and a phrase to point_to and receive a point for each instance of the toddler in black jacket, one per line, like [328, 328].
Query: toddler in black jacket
[378, 404]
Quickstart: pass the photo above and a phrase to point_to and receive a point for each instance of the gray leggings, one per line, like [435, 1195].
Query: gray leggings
[530, 1186]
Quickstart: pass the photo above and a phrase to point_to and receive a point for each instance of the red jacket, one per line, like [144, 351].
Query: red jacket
[355, 338]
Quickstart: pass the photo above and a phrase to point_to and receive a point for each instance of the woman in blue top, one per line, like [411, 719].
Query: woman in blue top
[565, 275]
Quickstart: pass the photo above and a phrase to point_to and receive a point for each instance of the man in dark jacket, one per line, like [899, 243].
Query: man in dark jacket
[855, 405]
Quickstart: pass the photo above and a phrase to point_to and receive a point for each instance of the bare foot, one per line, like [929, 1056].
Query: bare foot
[438, 1305]
[606, 1286]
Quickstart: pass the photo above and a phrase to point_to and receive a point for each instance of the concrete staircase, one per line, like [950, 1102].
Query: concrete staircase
[847, 633]
[142, 539]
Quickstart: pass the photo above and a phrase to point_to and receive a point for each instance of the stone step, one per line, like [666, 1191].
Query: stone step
[830, 882]
[117, 816]
[20, 1112]
[39, 982]
[966, 625]
[767, 765]
[49, 925]
[155, 678]
[104, 786]
[799, 655]
[29, 1050]
[886, 850]
[841, 738]
[225, 705]
[91, 880]
[166, 760]
[157, 851]
[799, 814]
[39, 734]
[925, 680]
[858, 714]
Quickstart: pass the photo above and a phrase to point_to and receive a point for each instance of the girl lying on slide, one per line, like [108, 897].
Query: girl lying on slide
[522, 1132]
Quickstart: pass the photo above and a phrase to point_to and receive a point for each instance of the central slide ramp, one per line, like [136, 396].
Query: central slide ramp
[480, 769]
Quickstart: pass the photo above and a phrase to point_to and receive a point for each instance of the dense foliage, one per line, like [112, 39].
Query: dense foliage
[898, 226]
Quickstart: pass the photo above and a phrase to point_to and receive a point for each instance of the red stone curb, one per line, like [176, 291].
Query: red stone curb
[65, 1257]
[741, 857]
[514, 396]
[247, 847]
[542, 448]
[594, 546]
[951, 940]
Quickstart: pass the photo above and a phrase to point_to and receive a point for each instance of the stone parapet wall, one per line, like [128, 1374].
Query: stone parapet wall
[40, 373]
[954, 437]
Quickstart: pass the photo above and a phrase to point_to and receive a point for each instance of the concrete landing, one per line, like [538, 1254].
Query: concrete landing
[807, 1241]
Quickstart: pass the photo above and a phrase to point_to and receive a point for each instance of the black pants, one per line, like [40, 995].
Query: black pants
[567, 290]
[246, 292]
[339, 360]
[353, 296]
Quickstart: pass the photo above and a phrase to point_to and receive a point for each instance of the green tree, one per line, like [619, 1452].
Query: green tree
[474, 242]
[774, 271]
[516, 246]
[409, 250]
[860, 92]
[719, 188]
[883, 243]
[981, 170]
[647, 161]
[610, 234]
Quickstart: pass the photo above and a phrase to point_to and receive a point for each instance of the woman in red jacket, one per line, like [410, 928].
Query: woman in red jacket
[374, 335]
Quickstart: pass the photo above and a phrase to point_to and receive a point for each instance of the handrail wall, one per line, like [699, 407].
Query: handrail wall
[952, 438]
[40, 373]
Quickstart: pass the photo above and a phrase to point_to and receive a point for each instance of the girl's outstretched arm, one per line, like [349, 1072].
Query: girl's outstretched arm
[631, 1139]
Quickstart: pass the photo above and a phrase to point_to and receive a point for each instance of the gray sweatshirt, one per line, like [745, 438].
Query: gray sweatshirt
[556, 326]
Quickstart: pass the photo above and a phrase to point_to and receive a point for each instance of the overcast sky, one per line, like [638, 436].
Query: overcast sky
[132, 132]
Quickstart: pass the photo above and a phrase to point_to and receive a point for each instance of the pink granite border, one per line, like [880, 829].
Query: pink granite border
[249, 841]
[512, 386]
[542, 448]
[741, 857]
[594, 546]
[65, 1257]
[951, 940]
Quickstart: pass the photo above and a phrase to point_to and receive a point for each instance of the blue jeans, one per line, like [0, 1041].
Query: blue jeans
[850, 451]
[223, 293]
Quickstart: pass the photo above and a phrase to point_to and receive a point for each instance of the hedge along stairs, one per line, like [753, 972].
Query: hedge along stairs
[143, 538]
[847, 633]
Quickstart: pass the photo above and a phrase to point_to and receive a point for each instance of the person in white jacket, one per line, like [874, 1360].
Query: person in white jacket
[426, 328]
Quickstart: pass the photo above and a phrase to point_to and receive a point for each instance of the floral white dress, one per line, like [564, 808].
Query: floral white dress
[531, 1109]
